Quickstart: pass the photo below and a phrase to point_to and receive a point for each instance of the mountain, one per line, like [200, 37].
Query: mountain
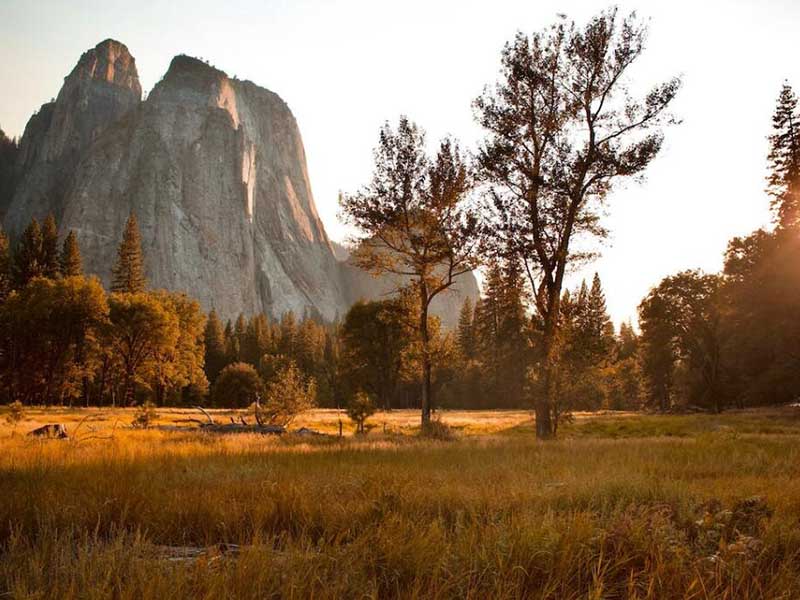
[214, 169]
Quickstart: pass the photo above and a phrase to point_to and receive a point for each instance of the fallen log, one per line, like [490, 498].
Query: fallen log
[56, 431]
[240, 428]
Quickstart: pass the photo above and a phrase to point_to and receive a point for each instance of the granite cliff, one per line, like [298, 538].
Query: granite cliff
[214, 169]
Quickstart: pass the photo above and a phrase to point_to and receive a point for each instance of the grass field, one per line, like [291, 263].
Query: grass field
[622, 506]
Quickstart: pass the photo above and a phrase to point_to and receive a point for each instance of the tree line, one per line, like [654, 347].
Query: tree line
[561, 130]
[733, 338]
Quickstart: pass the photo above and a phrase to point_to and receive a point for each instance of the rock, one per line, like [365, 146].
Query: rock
[361, 285]
[214, 169]
[50, 431]
[101, 89]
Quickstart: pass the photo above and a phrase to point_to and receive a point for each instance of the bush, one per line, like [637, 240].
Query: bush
[238, 386]
[16, 413]
[436, 430]
[287, 396]
[145, 415]
[359, 409]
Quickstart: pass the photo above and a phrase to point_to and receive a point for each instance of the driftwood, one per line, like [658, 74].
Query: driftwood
[192, 553]
[240, 428]
[310, 432]
[51, 431]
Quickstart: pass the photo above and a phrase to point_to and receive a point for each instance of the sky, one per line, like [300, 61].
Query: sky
[345, 67]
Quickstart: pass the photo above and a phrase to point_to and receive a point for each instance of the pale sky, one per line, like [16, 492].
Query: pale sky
[346, 66]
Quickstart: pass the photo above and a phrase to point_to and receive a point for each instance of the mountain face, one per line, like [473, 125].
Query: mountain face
[214, 169]
[102, 88]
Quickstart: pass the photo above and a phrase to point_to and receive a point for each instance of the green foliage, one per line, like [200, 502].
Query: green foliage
[128, 272]
[8, 157]
[416, 224]
[145, 415]
[680, 320]
[214, 344]
[375, 338]
[6, 281]
[783, 181]
[70, 260]
[359, 409]
[51, 263]
[16, 413]
[142, 328]
[29, 256]
[51, 336]
[173, 368]
[288, 395]
[238, 385]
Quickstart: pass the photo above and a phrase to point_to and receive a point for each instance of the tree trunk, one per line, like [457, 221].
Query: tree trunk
[546, 401]
[128, 395]
[426, 357]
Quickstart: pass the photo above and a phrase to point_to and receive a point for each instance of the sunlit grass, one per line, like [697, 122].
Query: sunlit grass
[607, 511]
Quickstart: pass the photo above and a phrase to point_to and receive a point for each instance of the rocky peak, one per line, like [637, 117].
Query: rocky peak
[109, 62]
[101, 89]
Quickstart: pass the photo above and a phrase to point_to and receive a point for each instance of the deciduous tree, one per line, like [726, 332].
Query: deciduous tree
[561, 130]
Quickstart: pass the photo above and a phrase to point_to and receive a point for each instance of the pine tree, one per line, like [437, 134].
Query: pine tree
[28, 260]
[783, 181]
[599, 327]
[466, 330]
[5, 267]
[50, 258]
[214, 337]
[128, 274]
[71, 262]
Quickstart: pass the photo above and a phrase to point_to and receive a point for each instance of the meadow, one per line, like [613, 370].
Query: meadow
[621, 506]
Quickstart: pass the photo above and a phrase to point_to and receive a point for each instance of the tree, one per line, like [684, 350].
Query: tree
[50, 331]
[375, 337]
[287, 396]
[29, 258]
[141, 328]
[70, 260]
[51, 265]
[682, 314]
[359, 409]
[238, 386]
[8, 159]
[176, 367]
[416, 223]
[658, 349]
[214, 343]
[466, 330]
[5, 267]
[761, 317]
[783, 181]
[561, 130]
[128, 272]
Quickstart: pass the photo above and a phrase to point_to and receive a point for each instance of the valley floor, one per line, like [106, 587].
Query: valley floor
[622, 506]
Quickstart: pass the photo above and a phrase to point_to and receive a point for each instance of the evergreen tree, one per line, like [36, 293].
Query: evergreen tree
[214, 338]
[600, 329]
[71, 262]
[783, 180]
[466, 330]
[5, 267]
[28, 259]
[50, 257]
[128, 274]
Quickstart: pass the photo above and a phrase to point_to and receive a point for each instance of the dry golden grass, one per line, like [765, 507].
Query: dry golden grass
[609, 511]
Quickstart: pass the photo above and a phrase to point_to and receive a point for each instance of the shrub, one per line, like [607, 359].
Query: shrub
[145, 415]
[437, 430]
[287, 396]
[16, 413]
[359, 409]
[238, 385]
